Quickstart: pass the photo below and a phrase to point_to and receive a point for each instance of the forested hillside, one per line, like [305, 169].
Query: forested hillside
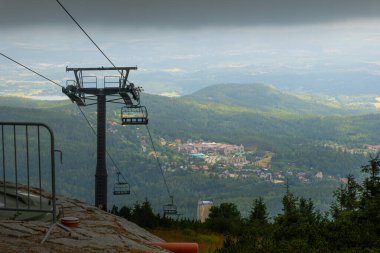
[302, 133]
[264, 98]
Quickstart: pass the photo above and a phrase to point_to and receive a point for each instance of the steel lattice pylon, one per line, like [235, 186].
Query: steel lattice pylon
[85, 89]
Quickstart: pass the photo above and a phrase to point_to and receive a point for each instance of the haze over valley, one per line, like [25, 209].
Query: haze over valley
[251, 104]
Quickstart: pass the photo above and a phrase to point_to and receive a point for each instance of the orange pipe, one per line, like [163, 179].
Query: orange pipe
[178, 247]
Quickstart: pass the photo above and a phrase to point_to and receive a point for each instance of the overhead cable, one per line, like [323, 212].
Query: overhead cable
[158, 161]
[88, 122]
[35, 72]
[108, 154]
[150, 136]
[88, 36]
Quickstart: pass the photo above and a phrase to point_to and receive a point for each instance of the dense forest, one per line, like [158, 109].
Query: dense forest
[295, 128]
[351, 224]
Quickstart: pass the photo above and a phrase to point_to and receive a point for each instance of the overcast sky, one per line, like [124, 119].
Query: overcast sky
[185, 13]
[182, 45]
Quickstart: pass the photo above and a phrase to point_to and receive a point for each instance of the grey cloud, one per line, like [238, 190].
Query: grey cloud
[185, 13]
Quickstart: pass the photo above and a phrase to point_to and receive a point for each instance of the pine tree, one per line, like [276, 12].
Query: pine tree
[259, 212]
[225, 218]
[370, 202]
[347, 198]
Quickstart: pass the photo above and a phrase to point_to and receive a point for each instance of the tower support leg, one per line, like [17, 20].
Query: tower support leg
[101, 171]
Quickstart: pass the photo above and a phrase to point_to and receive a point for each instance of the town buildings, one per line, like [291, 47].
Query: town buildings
[209, 148]
[212, 152]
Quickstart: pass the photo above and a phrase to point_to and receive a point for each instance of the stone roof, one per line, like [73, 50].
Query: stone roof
[98, 231]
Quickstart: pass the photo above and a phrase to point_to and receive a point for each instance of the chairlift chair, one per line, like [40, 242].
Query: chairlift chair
[134, 115]
[121, 187]
[170, 209]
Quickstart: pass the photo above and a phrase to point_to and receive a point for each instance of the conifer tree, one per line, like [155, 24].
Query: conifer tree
[259, 212]
[370, 202]
[347, 198]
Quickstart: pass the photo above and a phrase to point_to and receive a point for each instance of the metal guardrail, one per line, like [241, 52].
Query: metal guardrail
[27, 165]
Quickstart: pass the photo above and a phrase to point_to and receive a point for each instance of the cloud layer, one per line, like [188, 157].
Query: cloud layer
[185, 13]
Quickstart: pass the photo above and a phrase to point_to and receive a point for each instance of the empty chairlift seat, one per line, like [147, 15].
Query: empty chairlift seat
[170, 209]
[134, 115]
[121, 187]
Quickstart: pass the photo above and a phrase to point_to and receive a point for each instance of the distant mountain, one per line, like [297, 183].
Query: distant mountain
[354, 82]
[266, 98]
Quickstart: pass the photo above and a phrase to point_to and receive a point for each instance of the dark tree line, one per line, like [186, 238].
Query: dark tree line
[352, 225]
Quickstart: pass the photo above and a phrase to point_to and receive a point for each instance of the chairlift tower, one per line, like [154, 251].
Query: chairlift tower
[85, 91]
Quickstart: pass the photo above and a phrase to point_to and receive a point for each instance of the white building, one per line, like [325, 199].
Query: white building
[203, 210]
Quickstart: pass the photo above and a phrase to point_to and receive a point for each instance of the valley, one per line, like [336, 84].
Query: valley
[312, 144]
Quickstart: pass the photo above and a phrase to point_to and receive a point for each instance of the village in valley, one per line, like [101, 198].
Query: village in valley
[229, 161]
[235, 161]
[232, 161]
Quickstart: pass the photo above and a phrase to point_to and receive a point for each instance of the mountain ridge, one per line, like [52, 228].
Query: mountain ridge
[254, 97]
[267, 98]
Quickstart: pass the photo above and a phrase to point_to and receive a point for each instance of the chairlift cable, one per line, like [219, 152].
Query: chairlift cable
[108, 154]
[88, 122]
[158, 161]
[35, 72]
[150, 136]
[88, 36]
